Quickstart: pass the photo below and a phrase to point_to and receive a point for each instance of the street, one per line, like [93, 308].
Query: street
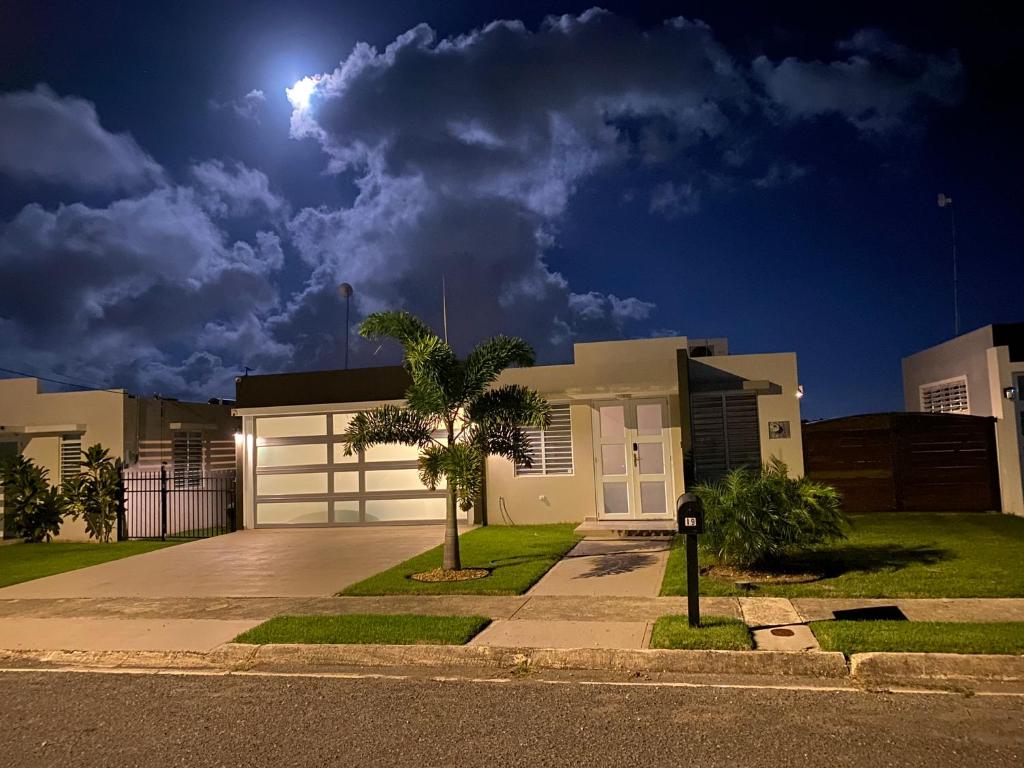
[112, 720]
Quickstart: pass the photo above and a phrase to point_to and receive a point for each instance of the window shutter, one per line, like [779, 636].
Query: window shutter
[187, 459]
[945, 397]
[70, 456]
[551, 448]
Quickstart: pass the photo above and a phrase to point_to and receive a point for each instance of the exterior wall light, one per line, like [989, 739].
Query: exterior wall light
[1010, 393]
[799, 391]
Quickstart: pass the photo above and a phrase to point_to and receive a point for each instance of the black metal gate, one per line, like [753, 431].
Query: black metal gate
[193, 505]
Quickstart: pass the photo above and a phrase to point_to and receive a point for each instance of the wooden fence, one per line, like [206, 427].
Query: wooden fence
[906, 461]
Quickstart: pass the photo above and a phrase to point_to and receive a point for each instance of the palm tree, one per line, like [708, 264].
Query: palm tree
[452, 412]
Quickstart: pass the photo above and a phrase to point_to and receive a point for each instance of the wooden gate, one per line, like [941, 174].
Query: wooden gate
[906, 461]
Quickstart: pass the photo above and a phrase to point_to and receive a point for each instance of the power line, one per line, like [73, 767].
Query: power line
[89, 387]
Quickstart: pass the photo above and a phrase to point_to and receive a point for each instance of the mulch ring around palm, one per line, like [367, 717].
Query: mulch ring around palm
[441, 574]
[753, 576]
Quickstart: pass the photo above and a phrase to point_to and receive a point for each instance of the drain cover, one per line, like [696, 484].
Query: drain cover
[783, 632]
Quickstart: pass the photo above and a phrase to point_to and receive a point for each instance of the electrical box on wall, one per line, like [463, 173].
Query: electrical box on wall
[778, 429]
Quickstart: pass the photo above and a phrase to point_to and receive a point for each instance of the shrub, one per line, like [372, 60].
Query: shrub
[37, 508]
[755, 517]
[96, 493]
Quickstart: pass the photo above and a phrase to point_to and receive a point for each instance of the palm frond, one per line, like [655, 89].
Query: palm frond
[403, 327]
[504, 440]
[387, 424]
[513, 405]
[485, 363]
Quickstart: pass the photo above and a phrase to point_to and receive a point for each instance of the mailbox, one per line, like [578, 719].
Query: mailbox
[690, 514]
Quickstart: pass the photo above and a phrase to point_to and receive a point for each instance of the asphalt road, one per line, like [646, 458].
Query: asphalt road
[112, 720]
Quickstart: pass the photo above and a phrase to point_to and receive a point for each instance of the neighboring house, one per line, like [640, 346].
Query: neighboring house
[624, 416]
[980, 373]
[52, 429]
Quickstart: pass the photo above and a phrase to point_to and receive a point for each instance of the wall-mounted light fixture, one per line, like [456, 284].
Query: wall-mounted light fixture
[1010, 393]
[238, 438]
[799, 391]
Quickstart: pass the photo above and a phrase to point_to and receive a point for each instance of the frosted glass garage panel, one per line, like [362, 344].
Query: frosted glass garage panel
[397, 510]
[291, 512]
[393, 452]
[286, 485]
[291, 426]
[393, 480]
[290, 455]
[341, 458]
[346, 482]
[341, 422]
[346, 511]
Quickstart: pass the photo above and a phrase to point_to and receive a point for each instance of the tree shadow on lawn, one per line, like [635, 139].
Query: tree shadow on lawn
[862, 558]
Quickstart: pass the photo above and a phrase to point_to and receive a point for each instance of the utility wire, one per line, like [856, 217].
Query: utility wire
[90, 387]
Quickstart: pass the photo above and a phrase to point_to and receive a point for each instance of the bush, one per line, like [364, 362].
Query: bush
[37, 509]
[96, 493]
[752, 518]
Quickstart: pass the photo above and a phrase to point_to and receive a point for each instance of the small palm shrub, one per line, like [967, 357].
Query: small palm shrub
[96, 493]
[36, 507]
[754, 517]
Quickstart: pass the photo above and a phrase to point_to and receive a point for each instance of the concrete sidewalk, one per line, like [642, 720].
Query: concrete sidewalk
[558, 621]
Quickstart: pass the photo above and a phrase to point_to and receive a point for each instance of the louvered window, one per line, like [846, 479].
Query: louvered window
[551, 448]
[187, 458]
[726, 434]
[945, 396]
[70, 456]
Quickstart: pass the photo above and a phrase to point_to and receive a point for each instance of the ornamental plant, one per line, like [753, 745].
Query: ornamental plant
[755, 517]
[37, 508]
[452, 412]
[96, 493]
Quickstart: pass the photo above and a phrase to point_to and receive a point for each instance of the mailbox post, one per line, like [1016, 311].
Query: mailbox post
[690, 516]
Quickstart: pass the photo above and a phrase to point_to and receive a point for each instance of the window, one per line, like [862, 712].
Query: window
[70, 456]
[949, 396]
[187, 459]
[551, 448]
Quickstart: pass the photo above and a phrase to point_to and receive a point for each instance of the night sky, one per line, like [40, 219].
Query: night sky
[169, 214]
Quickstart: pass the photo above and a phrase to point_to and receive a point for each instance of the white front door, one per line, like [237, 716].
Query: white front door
[633, 458]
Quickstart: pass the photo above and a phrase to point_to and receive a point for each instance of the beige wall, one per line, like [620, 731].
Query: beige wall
[35, 420]
[775, 378]
[1001, 374]
[965, 355]
[633, 369]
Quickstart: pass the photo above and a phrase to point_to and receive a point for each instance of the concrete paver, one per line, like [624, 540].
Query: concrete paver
[256, 563]
[608, 568]
[768, 611]
[94, 634]
[564, 634]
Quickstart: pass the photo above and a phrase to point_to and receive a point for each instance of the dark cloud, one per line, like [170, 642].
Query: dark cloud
[465, 153]
[47, 138]
[876, 88]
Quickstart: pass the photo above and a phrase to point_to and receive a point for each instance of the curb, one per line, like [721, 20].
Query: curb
[872, 667]
[298, 658]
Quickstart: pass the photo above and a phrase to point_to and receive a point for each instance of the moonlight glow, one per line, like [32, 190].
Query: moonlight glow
[300, 93]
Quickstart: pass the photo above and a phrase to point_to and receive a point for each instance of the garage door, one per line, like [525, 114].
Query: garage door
[303, 477]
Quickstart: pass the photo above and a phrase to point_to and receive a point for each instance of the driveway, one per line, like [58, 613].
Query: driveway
[307, 562]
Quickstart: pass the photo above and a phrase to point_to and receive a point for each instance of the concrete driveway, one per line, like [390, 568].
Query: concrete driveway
[307, 562]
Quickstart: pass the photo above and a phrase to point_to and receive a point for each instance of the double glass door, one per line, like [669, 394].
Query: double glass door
[633, 457]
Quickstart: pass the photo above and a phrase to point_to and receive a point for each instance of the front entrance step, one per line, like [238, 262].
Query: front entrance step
[591, 528]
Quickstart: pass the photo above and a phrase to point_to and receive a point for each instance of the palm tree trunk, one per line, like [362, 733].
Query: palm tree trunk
[452, 560]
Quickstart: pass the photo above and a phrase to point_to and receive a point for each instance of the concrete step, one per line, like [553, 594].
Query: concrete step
[592, 528]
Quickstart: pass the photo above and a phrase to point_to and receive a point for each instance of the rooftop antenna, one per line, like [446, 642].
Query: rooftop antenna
[945, 201]
[444, 307]
[245, 370]
[345, 289]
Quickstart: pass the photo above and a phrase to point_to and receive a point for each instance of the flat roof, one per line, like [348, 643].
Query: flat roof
[356, 385]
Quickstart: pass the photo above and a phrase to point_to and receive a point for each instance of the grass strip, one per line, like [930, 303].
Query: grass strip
[378, 629]
[715, 633]
[1005, 637]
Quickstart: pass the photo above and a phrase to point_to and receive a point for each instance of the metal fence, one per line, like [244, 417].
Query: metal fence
[163, 505]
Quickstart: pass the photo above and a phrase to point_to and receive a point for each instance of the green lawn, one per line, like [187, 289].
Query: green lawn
[920, 636]
[714, 633]
[894, 555]
[517, 557]
[382, 629]
[24, 562]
